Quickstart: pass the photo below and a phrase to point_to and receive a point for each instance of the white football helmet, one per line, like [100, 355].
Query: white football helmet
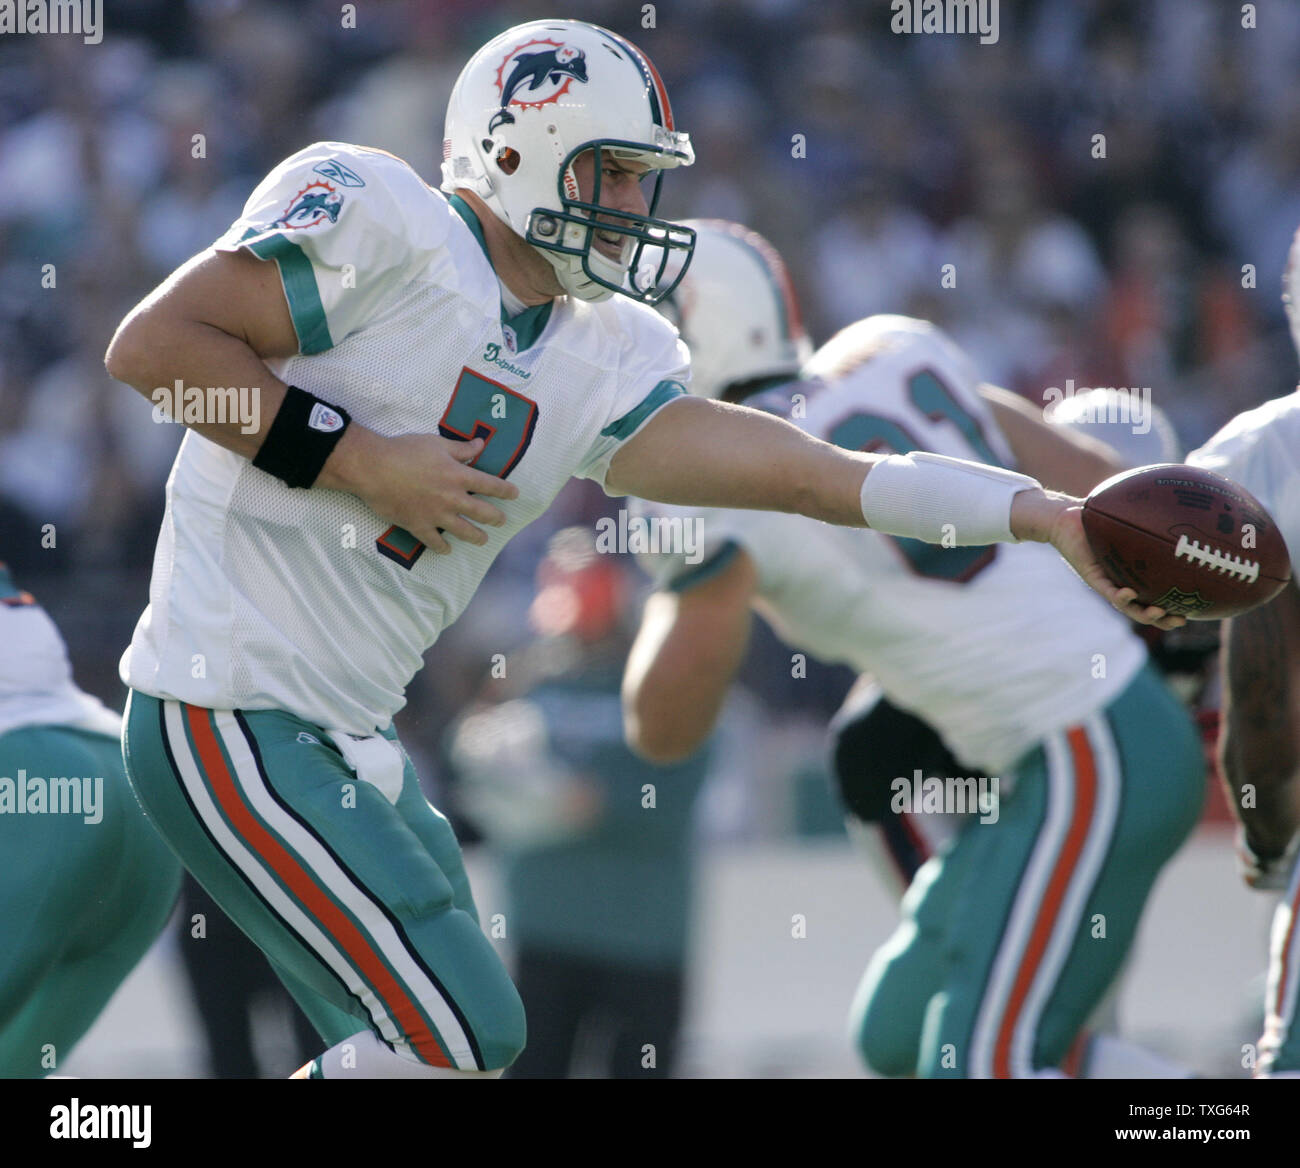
[886, 332]
[1129, 423]
[736, 309]
[1290, 292]
[527, 104]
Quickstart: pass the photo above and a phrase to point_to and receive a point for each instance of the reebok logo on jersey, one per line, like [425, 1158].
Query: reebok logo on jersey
[337, 172]
[324, 419]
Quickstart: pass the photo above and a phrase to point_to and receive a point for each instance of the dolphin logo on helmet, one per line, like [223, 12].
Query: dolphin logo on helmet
[554, 66]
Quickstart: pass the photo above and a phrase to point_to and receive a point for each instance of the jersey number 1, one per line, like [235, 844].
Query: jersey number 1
[479, 408]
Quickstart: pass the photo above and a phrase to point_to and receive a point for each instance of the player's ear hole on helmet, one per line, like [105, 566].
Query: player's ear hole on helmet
[508, 159]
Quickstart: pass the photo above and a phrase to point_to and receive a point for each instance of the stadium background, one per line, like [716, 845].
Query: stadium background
[916, 152]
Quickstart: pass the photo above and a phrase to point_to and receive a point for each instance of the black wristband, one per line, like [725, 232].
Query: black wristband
[302, 436]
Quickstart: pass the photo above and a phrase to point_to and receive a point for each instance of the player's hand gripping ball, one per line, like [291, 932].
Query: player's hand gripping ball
[1186, 539]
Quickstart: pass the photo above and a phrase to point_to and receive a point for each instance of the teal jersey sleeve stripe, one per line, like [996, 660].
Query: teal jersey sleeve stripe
[705, 570]
[300, 289]
[627, 424]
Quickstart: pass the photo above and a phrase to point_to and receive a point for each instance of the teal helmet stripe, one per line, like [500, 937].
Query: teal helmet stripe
[660, 111]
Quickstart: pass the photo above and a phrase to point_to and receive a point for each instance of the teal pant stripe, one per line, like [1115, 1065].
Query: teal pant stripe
[394, 865]
[224, 780]
[1082, 808]
[1011, 937]
[359, 1010]
[374, 901]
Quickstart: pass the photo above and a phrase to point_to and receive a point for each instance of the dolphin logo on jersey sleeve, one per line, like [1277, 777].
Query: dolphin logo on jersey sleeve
[315, 203]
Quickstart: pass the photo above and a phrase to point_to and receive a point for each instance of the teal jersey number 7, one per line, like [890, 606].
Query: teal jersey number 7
[479, 408]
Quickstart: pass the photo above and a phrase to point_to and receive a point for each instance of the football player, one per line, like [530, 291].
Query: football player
[870, 735]
[873, 741]
[1259, 743]
[1013, 932]
[87, 884]
[396, 334]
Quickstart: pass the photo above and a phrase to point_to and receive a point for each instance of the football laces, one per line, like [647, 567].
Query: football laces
[1238, 567]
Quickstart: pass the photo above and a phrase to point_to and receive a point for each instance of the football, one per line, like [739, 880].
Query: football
[1186, 539]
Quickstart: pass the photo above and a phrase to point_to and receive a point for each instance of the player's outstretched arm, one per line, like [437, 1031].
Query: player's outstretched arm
[1259, 743]
[213, 321]
[703, 453]
[689, 647]
[1060, 458]
[696, 452]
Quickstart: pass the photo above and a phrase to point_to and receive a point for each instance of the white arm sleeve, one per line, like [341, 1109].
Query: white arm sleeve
[944, 500]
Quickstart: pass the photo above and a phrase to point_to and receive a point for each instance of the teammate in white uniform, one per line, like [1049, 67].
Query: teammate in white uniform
[1259, 746]
[86, 883]
[292, 598]
[1023, 674]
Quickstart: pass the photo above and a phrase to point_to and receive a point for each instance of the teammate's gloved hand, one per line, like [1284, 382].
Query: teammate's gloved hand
[1049, 517]
[1265, 874]
[420, 482]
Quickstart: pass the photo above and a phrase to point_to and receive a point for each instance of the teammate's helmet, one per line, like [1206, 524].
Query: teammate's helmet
[526, 106]
[887, 332]
[736, 310]
[1290, 292]
[1137, 430]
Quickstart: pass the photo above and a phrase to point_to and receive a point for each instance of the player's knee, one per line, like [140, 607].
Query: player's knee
[883, 1048]
[884, 1042]
[501, 1037]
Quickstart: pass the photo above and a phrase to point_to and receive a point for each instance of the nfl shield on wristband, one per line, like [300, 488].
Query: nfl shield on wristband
[302, 436]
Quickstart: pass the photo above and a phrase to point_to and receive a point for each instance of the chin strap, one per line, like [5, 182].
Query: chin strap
[573, 279]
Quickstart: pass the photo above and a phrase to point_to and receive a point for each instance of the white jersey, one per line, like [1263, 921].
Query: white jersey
[997, 647]
[1260, 449]
[36, 686]
[268, 597]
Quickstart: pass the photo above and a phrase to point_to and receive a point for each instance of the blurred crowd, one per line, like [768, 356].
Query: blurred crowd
[1093, 185]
